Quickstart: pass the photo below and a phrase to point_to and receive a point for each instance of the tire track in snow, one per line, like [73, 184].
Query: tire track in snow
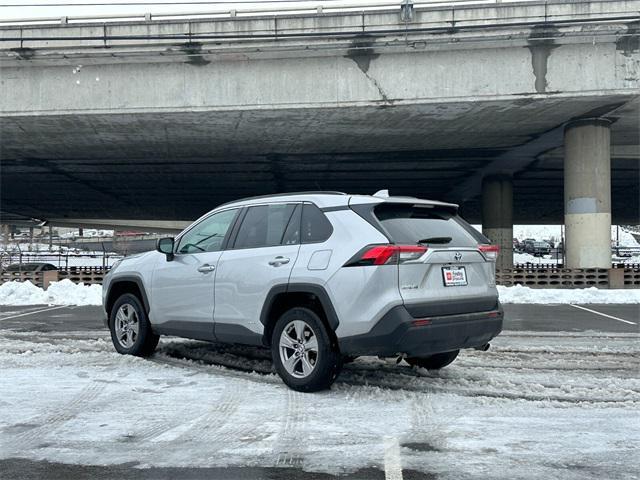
[49, 422]
[290, 447]
[248, 373]
[404, 378]
[397, 384]
[427, 431]
[209, 426]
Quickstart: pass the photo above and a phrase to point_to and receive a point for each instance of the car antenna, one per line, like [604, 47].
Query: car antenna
[382, 194]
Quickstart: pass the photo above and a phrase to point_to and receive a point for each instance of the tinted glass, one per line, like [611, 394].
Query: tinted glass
[264, 226]
[292, 233]
[408, 224]
[315, 225]
[209, 234]
[472, 231]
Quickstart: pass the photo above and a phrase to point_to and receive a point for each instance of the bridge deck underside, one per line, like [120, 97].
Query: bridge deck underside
[178, 165]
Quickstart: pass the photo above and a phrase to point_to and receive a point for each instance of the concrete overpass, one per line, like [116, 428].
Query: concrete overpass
[164, 119]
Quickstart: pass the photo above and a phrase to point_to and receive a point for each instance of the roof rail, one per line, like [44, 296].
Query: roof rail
[289, 194]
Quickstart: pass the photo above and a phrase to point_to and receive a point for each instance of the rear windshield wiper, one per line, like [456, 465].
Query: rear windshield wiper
[435, 240]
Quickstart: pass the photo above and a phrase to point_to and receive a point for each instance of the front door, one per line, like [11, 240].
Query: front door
[183, 288]
[262, 256]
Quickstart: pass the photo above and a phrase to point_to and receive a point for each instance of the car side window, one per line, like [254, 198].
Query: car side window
[208, 235]
[315, 225]
[264, 226]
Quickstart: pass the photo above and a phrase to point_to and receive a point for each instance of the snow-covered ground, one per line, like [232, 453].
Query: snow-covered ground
[553, 406]
[66, 292]
[528, 258]
[87, 233]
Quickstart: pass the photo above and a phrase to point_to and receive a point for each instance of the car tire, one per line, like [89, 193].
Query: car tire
[433, 362]
[303, 353]
[131, 332]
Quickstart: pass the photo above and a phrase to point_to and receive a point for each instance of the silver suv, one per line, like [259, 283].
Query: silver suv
[319, 277]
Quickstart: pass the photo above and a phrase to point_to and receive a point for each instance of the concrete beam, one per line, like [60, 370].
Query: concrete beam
[475, 54]
[159, 226]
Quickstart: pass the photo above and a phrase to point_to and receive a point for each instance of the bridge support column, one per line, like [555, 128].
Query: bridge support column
[497, 216]
[587, 193]
[5, 232]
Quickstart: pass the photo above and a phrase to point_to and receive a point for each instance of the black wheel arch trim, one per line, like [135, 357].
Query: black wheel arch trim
[314, 289]
[137, 279]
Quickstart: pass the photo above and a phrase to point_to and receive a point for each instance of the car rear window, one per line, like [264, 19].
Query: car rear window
[409, 224]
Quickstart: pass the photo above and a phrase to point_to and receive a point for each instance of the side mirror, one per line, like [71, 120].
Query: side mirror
[165, 245]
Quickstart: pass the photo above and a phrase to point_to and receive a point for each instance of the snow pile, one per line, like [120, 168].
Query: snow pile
[520, 294]
[64, 292]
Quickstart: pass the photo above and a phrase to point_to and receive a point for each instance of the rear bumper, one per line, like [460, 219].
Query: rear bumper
[397, 332]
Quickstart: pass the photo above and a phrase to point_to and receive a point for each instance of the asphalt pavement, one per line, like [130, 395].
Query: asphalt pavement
[541, 318]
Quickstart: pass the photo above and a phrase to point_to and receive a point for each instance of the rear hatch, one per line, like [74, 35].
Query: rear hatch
[456, 272]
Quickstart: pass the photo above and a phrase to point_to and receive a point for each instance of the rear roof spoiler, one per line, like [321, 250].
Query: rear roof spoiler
[356, 199]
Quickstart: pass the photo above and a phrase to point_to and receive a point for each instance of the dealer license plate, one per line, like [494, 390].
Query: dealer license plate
[454, 276]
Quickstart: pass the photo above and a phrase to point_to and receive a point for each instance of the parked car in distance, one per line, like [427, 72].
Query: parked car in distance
[30, 267]
[318, 277]
[537, 249]
[517, 245]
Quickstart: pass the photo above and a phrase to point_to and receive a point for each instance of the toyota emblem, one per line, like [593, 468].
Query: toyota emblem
[458, 256]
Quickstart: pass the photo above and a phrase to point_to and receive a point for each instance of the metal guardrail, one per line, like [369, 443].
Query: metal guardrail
[62, 260]
[306, 7]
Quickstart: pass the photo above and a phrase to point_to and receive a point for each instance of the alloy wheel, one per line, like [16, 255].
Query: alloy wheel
[127, 325]
[298, 349]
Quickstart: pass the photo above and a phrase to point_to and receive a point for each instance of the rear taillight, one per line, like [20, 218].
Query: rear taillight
[489, 251]
[386, 255]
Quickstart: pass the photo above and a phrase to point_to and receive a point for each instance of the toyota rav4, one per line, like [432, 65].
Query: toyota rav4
[318, 277]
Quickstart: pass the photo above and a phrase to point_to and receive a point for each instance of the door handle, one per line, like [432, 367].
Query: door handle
[206, 268]
[276, 262]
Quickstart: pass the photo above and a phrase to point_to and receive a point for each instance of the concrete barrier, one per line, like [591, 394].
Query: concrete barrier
[86, 275]
[553, 276]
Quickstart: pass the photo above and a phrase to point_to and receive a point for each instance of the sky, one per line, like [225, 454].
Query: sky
[32, 9]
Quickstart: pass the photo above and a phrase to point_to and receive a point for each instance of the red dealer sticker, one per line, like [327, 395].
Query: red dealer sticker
[454, 276]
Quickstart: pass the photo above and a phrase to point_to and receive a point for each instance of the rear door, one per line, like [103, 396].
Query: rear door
[261, 256]
[452, 276]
